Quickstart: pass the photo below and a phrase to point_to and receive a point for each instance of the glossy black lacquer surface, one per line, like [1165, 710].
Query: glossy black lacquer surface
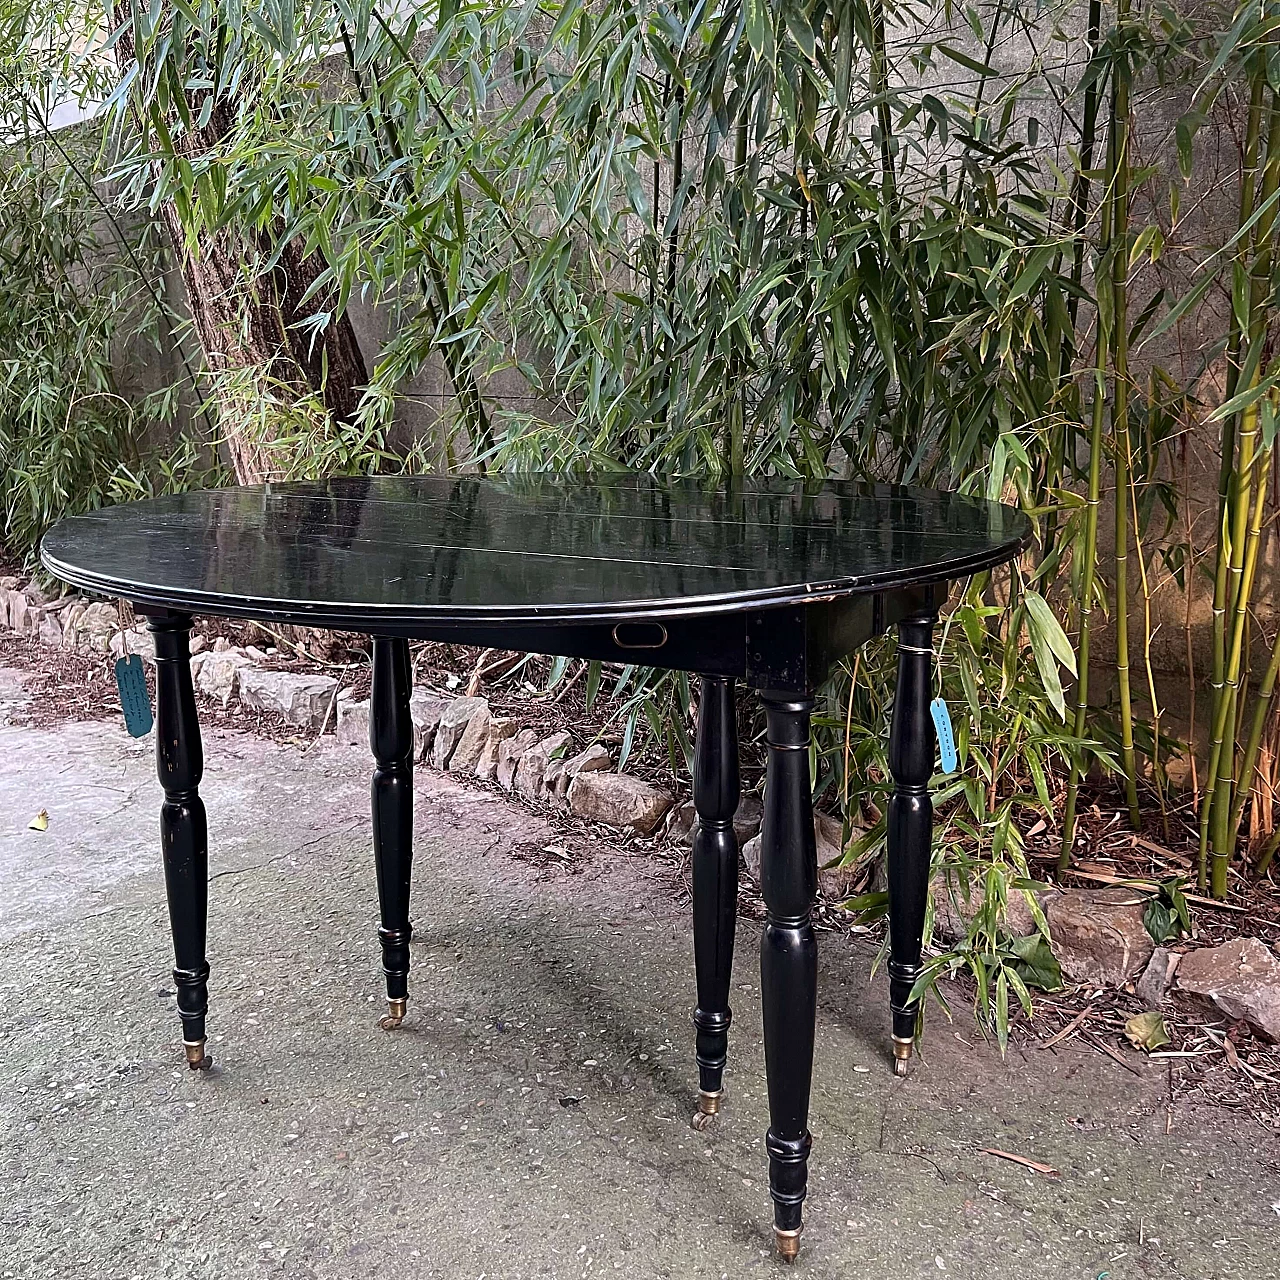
[365, 552]
[769, 584]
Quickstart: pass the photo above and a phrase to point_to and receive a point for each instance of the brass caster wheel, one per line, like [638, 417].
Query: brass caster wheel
[788, 1243]
[901, 1056]
[708, 1109]
[197, 1059]
[395, 1015]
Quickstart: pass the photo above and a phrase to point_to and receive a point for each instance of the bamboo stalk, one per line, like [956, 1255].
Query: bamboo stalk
[1120, 412]
[1092, 509]
[737, 424]
[1063, 457]
[1264, 862]
[1146, 656]
[1246, 516]
[1248, 172]
[1260, 709]
[880, 89]
[1086, 594]
[1223, 834]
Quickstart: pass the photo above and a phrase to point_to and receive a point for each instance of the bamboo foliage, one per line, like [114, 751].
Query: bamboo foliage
[752, 239]
[844, 238]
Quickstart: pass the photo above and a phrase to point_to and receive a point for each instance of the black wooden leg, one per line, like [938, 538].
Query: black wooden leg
[184, 839]
[391, 738]
[910, 826]
[788, 958]
[715, 884]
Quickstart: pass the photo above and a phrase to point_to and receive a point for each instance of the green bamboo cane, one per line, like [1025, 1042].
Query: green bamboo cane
[1146, 650]
[738, 407]
[1086, 602]
[1064, 455]
[1248, 172]
[1120, 415]
[1261, 706]
[1223, 833]
[1089, 574]
[1244, 535]
[1268, 853]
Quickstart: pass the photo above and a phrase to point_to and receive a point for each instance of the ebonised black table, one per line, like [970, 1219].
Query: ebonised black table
[769, 582]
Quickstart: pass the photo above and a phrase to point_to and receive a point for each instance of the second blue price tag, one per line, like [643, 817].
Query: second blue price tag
[131, 680]
[946, 738]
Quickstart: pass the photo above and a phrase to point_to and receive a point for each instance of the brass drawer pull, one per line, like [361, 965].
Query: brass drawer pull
[639, 635]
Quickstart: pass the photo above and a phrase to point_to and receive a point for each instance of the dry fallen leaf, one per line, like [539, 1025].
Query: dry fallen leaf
[1047, 1169]
[40, 822]
[1147, 1031]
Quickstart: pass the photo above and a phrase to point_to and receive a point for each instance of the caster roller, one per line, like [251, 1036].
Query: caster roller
[394, 1015]
[788, 1243]
[901, 1056]
[197, 1058]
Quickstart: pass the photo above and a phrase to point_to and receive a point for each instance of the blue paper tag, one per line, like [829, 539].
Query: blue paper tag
[131, 680]
[946, 737]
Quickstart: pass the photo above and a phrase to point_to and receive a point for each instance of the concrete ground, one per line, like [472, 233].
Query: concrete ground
[531, 1119]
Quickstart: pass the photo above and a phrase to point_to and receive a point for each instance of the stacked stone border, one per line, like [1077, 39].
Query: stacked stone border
[1097, 935]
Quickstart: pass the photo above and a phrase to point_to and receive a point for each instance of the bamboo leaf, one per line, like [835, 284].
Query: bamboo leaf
[1041, 620]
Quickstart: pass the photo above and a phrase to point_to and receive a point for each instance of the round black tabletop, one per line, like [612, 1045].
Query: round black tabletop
[353, 552]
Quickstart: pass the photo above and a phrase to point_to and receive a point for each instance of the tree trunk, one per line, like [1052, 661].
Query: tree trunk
[252, 323]
[249, 324]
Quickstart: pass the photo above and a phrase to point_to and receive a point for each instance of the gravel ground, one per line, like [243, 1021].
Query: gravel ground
[531, 1117]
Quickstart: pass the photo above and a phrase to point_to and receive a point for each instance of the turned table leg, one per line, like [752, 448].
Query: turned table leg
[788, 958]
[184, 840]
[391, 739]
[909, 828]
[715, 883]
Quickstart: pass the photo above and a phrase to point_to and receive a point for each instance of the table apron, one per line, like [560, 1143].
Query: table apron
[787, 648]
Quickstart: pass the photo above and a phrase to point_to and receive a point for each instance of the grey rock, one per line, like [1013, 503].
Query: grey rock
[618, 800]
[680, 822]
[466, 755]
[425, 710]
[499, 729]
[353, 722]
[31, 623]
[510, 752]
[1098, 936]
[746, 820]
[452, 725]
[9, 582]
[140, 641]
[833, 881]
[51, 631]
[198, 642]
[1156, 977]
[71, 625]
[1240, 979]
[218, 673]
[955, 904]
[562, 771]
[96, 625]
[222, 644]
[304, 701]
[18, 610]
[532, 771]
